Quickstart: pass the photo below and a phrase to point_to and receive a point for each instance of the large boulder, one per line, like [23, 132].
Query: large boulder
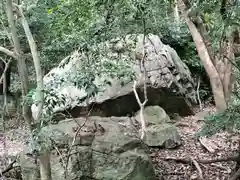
[104, 148]
[169, 81]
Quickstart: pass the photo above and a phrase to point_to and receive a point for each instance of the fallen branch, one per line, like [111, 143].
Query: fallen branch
[221, 167]
[8, 168]
[188, 161]
[195, 162]
[206, 145]
[197, 167]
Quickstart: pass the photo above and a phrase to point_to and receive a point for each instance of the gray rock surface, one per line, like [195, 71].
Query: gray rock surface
[170, 84]
[108, 149]
[154, 115]
[164, 135]
[159, 132]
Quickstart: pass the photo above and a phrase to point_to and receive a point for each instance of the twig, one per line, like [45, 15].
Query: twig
[188, 161]
[143, 123]
[221, 167]
[60, 154]
[74, 138]
[197, 167]
[207, 146]
[198, 95]
[8, 168]
[8, 52]
[5, 69]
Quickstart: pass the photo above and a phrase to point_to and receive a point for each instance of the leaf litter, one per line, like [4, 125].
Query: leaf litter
[222, 144]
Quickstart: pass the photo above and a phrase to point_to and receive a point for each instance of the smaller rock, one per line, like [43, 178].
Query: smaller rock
[154, 115]
[164, 135]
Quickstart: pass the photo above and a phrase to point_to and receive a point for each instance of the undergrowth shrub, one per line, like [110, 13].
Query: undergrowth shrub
[228, 120]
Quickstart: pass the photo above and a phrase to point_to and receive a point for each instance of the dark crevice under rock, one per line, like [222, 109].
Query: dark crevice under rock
[127, 104]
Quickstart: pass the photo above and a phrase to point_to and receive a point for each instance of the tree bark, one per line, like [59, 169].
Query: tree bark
[215, 80]
[36, 61]
[22, 68]
[44, 158]
[228, 58]
[175, 12]
[197, 20]
[8, 52]
[45, 167]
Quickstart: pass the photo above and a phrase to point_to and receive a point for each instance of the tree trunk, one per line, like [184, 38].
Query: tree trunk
[36, 61]
[45, 167]
[175, 12]
[228, 57]
[22, 68]
[44, 158]
[215, 80]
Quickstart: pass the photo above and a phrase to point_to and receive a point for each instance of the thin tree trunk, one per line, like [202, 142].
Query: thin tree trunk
[216, 83]
[44, 158]
[22, 68]
[175, 12]
[45, 167]
[36, 61]
[202, 29]
[229, 56]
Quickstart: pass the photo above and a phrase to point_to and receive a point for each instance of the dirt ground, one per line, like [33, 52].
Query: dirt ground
[219, 145]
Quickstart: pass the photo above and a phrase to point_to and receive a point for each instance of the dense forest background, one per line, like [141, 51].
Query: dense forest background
[36, 35]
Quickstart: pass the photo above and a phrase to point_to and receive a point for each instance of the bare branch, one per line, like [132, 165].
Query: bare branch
[8, 52]
[198, 95]
[8, 168]
[141, 105]
[197, 167]
[5, 69]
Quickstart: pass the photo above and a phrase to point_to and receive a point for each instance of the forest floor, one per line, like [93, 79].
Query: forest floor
[220, 145]
[217, 146]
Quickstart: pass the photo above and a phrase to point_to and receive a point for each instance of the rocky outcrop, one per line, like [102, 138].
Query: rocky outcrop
[169, 80]
[104, 148]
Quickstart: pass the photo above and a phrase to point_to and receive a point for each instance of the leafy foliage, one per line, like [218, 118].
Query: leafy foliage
[63, 26]
[224, 121]
[87, 73]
